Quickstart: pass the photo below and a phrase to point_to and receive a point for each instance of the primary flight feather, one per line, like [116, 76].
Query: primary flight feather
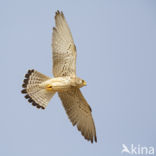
[39, 89]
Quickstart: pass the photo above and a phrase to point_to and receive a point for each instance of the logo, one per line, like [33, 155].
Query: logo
[137, 150]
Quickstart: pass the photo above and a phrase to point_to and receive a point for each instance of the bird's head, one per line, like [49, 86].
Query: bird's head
[80, 82]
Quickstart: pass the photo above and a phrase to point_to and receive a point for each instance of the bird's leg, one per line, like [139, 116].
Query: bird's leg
[49, 87]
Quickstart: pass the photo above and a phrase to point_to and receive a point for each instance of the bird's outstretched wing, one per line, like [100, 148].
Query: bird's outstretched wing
[64, 50]
[79, 112]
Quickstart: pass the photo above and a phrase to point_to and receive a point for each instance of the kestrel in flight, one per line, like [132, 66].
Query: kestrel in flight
[39, 89]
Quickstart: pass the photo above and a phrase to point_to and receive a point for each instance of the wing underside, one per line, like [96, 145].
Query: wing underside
[64, 64]
[63, 47]
[79, 113]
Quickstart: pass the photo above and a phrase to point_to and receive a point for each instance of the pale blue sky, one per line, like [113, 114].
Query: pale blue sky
[116, 46]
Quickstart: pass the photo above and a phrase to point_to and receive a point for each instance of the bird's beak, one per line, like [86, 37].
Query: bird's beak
[85, 83]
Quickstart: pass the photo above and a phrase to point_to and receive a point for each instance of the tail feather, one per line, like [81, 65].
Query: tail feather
[36, 94]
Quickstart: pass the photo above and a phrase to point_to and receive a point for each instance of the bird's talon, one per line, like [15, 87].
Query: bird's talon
[49, 87]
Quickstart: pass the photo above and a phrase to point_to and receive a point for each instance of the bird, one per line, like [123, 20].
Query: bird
[39, 88]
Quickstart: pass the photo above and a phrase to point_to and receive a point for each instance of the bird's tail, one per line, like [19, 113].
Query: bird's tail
[35, 92]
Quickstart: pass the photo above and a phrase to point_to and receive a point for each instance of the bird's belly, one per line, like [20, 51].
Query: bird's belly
[60, 84]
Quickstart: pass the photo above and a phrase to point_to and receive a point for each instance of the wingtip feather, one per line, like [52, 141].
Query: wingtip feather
[95, 138]
[59, 13]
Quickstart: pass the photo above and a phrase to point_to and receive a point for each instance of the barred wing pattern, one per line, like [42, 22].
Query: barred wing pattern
[64, 64]
[64, 50]
[79, 113]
